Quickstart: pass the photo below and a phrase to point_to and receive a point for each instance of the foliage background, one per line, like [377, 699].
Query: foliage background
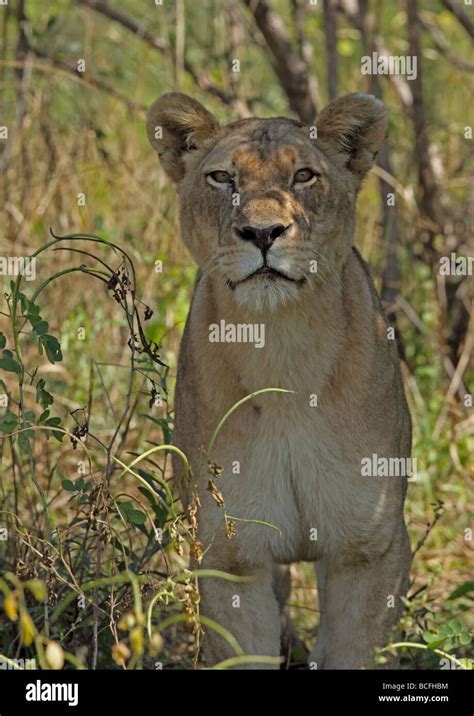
[74, 133]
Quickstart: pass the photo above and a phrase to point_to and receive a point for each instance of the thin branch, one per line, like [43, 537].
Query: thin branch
[398, 82]
[200, 77]
[442, 45]
[63, 67]
[298, 17]
[460, 15]
[291, 69]
[23, 73]
[234, 43]
[330, 33]
[426, 174]
[365, 22]
[456, 385]
[354, 12]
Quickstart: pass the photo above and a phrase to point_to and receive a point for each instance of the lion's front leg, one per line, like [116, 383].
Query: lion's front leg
[359, 605]
[248, 610]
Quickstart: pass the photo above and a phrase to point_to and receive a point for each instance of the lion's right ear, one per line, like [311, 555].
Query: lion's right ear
[177, 124]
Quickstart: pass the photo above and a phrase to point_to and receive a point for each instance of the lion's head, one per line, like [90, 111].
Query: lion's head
[268, 204]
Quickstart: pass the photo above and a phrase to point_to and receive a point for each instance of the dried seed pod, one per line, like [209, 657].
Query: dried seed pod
[214, 469]
[215, 492]
[230, 530]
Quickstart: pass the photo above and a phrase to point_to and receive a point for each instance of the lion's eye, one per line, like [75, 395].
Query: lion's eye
[303, 176]
[219, 177]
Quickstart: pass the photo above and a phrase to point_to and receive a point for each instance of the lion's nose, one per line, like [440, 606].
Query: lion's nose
[262, 237]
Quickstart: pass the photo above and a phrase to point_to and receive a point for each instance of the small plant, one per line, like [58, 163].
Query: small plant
[432, 633]
[105, 549]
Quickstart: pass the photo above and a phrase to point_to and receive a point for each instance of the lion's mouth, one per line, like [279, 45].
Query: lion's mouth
[269, 272]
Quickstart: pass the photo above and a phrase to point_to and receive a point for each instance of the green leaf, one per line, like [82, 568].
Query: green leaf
[24, 442]
[55, 423]
[161, 515]
[6, 427]
[149, 495]
[23, 300]
[40, 328]
[10, 365]
[9, 422]
[428, 636]
[456, 626]
[3, 340]
[465, 639]
[445, 630]
[52, 348]
[136, 517]
[68, 485]
[34, 319]
[463, 589]
[79, 484]
[42, 396]
[435, 644]
[28, 307]
[29, 415]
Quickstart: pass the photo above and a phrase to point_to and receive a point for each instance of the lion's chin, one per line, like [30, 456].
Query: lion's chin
[266, 294]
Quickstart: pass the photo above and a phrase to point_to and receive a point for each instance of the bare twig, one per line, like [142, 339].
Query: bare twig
[456, 385]
[291, 69]
[235, 38]
[330, 27]
[358, 14]
[23, 73]
[438, 513]
[200, 77]
[442, 45]
[460, 15]
[87, 79]
[426, 175]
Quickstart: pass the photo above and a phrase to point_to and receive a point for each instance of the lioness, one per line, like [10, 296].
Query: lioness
[268, 211]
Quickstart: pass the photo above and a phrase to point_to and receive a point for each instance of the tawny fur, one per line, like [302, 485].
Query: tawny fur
[325, 336]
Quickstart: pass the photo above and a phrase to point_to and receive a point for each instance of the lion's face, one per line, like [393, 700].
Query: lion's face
[267, 199]
[264, 206]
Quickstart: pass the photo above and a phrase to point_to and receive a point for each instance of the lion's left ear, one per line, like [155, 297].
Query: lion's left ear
[356, 126]
[177, 124]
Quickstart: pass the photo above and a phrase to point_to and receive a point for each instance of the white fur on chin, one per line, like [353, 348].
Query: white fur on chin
[262, 292]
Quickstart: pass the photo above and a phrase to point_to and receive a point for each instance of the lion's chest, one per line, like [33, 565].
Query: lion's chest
[285, 472]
